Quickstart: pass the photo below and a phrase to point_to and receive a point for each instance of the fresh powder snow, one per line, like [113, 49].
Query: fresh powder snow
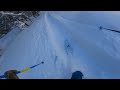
[67, 41]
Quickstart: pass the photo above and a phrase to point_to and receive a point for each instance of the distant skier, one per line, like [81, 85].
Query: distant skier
[10, 74]
[77, 75]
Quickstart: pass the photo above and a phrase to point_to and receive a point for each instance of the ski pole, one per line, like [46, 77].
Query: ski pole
[108, 29]
[24, 70]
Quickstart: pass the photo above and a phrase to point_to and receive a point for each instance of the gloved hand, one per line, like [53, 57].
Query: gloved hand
[11, 74]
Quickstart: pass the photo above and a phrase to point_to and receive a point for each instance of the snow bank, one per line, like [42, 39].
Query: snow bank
[7, 39]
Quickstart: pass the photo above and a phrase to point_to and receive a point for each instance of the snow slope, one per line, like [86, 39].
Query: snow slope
[66, 42]
[7, 39]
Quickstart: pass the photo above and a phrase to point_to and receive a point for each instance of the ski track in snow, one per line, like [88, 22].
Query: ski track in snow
[98, 54]
[65, 45]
